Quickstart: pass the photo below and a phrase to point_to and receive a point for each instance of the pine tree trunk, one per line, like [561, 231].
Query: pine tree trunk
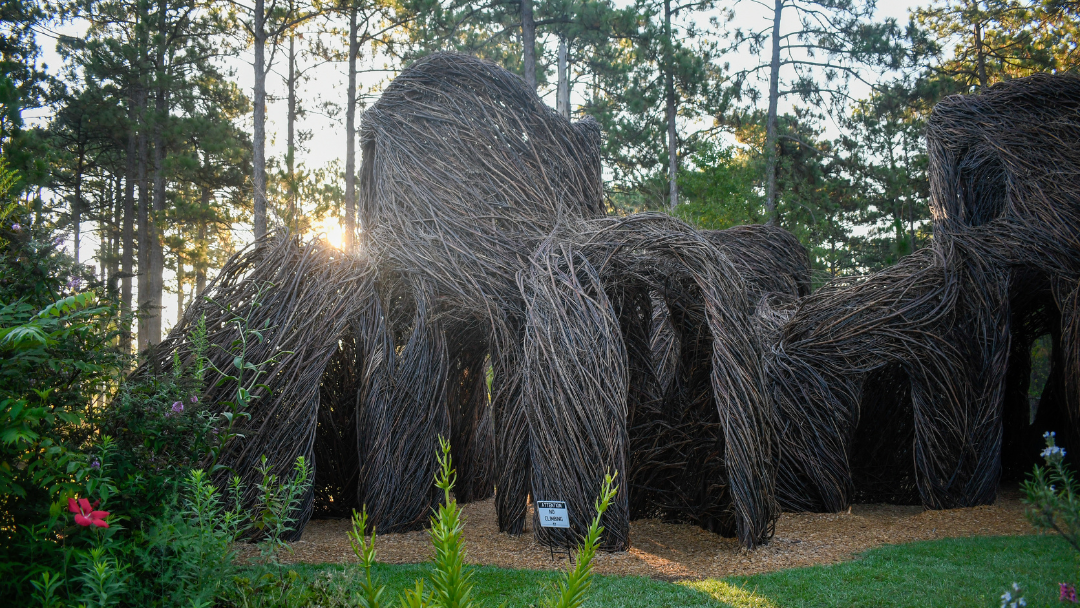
[771, 127]
[156, 270]
[144, 229]
[200, 262]
[76, 204]
[127, 237]
[114, 234]
[980, 57]
[258, 178]
[157, 250]
[528, 43]
[911, 226]
[290, 153]
[669, 94]
[350, 134]
[562, 95]
[179, 287]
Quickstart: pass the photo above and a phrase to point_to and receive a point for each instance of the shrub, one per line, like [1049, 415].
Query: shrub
[1052, 495]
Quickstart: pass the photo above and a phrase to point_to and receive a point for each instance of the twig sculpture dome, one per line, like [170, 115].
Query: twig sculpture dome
[896, 386]
[493, 302]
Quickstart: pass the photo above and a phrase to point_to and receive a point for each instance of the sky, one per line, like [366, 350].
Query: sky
[324, 87]
[327, 83]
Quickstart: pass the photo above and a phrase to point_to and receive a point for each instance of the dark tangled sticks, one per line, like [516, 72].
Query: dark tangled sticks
[493, 302]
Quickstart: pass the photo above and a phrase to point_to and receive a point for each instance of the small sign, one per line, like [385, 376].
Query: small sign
[553, 514]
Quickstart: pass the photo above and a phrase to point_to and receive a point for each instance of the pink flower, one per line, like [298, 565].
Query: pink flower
[178, 406]
[85, 515]
[194, 399]
[1068, 593]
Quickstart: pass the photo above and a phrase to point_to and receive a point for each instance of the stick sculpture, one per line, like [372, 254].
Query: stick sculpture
[494, 302]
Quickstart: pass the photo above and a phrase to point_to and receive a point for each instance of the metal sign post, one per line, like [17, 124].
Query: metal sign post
[554, 514]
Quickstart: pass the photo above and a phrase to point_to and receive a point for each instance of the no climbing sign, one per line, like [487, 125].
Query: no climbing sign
[553, 514]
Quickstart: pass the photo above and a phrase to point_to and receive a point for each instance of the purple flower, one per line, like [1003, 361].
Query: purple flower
[96, 464]
[16, 227]
[194, 399]
[1068, 593]
[58, 241]
[74, 283]
[213, 431]
[178, 407]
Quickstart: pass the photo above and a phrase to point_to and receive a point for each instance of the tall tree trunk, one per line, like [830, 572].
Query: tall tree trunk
[114, 234]
[157, 250]
[127, 239]
[258, 179]
[669, 94]
[200, 261]
[528, 43]
[771, 127]
[157, 214]
[103, 234]
[911, 225]
[290, 150]
[980, 57]
[76, 204]
[562, 95]
[350, 134]
[144, 229]
[179, 287]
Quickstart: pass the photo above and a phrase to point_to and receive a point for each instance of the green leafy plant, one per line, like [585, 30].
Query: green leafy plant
[1052, 495]
[47, 590]
[189, 550]
[572, 589]
[244, 373]
[278, 502]
[37, 353]
[103, 578]
[450, 584]
[56, 359]
[370, 594]
[162, 431]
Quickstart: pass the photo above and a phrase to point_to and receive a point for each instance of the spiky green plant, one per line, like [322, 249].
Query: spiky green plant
[370, 594]
[572, 589]
[450, 585]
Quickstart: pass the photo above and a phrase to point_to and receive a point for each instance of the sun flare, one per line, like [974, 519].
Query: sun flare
[330, 229]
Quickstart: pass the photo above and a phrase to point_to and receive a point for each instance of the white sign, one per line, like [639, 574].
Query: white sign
[553, 514]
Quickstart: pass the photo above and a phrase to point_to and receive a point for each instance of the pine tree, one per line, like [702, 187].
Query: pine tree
[832, 42]
[996, 39]
[267, 25]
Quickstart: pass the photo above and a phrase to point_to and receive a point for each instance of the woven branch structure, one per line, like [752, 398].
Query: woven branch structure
[493, 301]
[911, 385]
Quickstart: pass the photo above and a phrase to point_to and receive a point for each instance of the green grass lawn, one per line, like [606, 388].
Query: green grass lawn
[952, 572]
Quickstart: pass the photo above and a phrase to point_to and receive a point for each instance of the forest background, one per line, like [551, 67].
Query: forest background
[160, 136]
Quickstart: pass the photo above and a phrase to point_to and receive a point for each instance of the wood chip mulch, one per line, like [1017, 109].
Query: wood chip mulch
[680, 551]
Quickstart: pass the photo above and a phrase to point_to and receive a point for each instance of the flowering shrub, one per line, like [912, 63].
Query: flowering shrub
[1067, 593]
[1014, 598]
[161, 433]
[85, 515]
[1052, 495]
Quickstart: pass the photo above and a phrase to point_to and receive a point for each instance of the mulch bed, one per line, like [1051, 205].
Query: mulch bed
[680, 551]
